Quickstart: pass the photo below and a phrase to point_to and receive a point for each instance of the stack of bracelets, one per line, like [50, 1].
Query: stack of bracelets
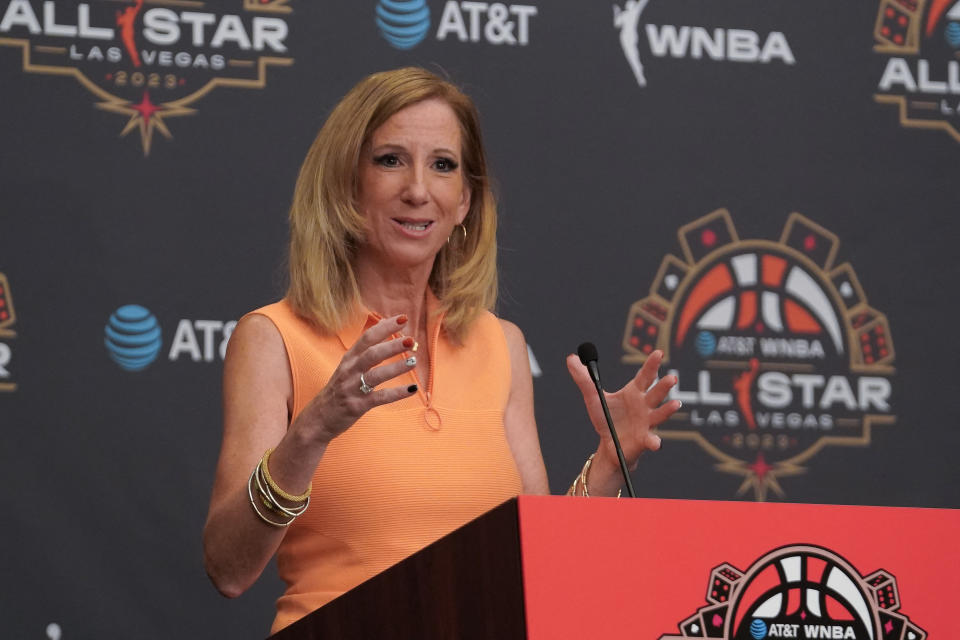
[579, 486]
[268, 492]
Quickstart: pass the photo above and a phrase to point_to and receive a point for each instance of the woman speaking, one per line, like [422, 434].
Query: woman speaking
[380, 405]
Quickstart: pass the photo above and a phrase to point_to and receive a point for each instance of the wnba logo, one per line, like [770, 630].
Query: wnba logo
[403, 23]
[800, 591]
[776, 346]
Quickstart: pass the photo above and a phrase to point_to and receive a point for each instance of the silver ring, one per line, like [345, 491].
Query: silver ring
[364, 387]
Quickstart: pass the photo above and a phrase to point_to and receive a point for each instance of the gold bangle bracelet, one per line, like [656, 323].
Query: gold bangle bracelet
[583, 475]
[271, 502]
[256, 509]
[582, 480]
[264, 466]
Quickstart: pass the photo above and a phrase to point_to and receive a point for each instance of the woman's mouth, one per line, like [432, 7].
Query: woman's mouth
[414, 225]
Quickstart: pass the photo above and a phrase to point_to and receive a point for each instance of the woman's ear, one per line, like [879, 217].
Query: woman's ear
[464, 207]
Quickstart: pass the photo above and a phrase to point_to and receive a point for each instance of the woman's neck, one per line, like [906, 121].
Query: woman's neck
[390, 291]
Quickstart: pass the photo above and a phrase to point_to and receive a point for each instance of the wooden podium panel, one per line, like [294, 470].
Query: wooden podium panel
[552, 567]
[468, 584]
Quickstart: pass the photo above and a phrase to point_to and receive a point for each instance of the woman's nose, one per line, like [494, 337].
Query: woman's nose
[416, 192]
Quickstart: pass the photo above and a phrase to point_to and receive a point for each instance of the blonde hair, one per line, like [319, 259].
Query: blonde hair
[326, 229]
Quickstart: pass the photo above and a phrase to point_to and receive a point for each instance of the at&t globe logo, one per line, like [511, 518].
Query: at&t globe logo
[132, 337]
[403, 23]
[406, 23]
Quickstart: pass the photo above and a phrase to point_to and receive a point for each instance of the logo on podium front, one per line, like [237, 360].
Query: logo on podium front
[776, 348]
[799, 591]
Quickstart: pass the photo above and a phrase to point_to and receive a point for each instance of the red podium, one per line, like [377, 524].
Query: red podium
[549, 568]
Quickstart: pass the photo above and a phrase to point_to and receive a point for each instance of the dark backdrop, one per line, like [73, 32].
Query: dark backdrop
[107, 472]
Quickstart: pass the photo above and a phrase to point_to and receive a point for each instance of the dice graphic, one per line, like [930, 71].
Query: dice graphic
[723, 579]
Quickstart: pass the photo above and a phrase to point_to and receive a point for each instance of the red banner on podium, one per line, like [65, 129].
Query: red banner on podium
[671, 569]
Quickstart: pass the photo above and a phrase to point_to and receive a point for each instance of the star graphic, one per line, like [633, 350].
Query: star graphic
[760, 467]
[146, 108]
[760, 475]
[145, 116]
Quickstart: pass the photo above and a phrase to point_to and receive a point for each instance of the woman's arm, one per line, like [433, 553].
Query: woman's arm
[257, 407]
[518, 419]
[257, 401]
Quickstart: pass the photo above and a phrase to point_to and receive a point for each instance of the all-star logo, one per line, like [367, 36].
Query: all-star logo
[920, 41]
[800, 591]
[149, 60]
[777, 351]
[7, 319]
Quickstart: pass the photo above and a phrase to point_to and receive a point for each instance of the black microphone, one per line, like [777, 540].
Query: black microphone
[588, 356]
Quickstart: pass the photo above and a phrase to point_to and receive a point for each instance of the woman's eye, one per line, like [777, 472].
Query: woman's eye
[388, 160]
[445, 164]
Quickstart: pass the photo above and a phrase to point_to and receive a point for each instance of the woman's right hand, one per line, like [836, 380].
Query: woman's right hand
[343, 401]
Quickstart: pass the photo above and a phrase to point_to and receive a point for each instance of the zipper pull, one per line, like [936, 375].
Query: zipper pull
[432, 419]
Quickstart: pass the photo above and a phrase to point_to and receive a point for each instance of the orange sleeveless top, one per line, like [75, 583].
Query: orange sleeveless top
[406, 473]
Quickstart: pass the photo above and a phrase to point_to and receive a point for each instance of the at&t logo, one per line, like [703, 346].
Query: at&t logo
[134, 338]
[405, 23]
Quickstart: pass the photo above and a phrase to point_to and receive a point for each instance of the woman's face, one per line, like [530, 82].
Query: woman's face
[412, 191]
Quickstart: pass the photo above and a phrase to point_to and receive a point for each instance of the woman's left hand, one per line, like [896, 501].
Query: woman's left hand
[636, 410]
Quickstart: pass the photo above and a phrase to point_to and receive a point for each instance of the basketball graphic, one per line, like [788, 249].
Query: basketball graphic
[803, 587]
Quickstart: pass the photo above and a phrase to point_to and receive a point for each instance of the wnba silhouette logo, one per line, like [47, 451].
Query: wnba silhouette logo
[403, 23]
[698, 43]
[777, 350]
[799, 591]
[132, 337]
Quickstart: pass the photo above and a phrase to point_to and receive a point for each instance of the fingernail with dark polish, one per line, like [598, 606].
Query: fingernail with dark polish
[402, 320]
[408, 342]
[412, 388]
